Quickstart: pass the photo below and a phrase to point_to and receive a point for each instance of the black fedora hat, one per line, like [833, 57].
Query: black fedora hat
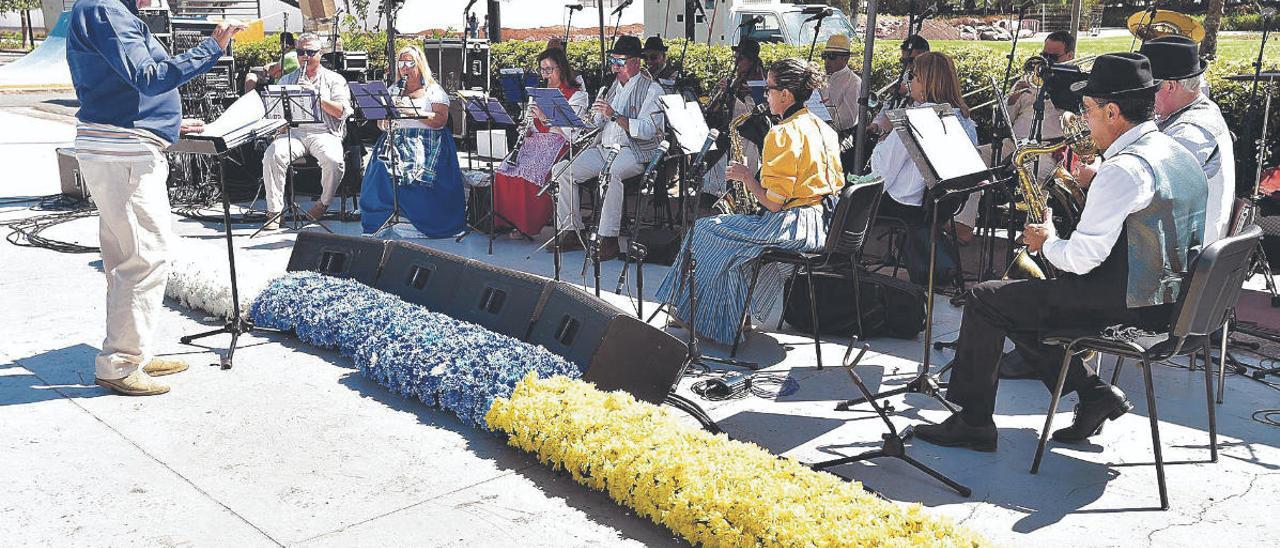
[654, 43]
[626, 45]
[1116, 74]
[748, 47]
[1174, 58]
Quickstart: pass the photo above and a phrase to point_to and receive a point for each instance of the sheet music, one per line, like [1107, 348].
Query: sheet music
[818, 108]
[951, 153]
[685, 121]
[245, 111]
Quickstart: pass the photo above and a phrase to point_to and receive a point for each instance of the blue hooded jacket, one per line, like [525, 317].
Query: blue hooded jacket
[122, 75]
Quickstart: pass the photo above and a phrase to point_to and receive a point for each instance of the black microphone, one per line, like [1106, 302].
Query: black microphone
[820, 15]
[712, 135]
[657, 157]
[621, 7]
[401, 83]
[573, 7]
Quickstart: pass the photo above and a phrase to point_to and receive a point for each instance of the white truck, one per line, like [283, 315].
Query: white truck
[764, 20]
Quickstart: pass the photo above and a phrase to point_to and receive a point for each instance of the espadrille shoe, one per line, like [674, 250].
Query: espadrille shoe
[136, 384]
[159, 367]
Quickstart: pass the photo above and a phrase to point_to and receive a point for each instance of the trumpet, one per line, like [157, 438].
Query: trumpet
[1031, 74]
[873, 98]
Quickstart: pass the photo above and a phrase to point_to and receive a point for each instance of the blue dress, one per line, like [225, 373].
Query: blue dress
[429, 187]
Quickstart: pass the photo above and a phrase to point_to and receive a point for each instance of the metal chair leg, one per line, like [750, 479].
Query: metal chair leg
[1115, 374]
[813, 315]
[746, 309]
[1222, 358]
[857, 293]
[1208, 399]
[789, 286]
[1155, 433]
[1053, 408]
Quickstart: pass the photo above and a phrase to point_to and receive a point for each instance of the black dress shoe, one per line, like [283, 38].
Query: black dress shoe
[955, 432]
[1091, 414]
[608, 248]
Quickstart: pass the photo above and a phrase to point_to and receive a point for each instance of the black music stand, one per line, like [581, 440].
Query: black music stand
[237, 325]
[373, 102]
[488, 110]
[894, 444]
[559, 114]
[952, 169]
[692, 136]
[296, 106]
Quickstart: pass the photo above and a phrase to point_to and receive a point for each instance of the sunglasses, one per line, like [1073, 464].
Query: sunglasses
[617, 61]
[833, 56]
[307, 52]
[408, 64]
[1051, 57]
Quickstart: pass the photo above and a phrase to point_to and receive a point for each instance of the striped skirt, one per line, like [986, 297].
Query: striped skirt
[725, 247]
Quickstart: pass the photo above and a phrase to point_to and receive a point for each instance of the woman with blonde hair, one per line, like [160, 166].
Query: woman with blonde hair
[428, 179]
[933, 81]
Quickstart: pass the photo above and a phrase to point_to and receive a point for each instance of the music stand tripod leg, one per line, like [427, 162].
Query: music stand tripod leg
[894, 444]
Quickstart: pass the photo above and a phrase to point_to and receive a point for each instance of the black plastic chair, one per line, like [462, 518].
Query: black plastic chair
[1211, 291]
[845, 237]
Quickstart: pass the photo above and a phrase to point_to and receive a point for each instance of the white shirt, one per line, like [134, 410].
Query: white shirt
[1122, 186]
[1023, 116]
[435, 95]
[645, 124]
[1219, 166]
[841, 97]
[902, 179]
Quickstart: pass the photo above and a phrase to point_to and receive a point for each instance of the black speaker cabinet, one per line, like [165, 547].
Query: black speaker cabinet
[424, 276]
[499, 299]
[614, 350]
[338, 256]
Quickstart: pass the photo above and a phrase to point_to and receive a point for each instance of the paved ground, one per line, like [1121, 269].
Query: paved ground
[292, 446]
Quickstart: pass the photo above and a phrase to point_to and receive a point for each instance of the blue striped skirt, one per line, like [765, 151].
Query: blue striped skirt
[726, 247]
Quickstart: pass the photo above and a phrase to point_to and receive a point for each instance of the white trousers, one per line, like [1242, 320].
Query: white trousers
[588, 165]
[135, 229]
[326, 148]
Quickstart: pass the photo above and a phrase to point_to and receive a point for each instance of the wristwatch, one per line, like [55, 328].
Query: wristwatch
[614, 117]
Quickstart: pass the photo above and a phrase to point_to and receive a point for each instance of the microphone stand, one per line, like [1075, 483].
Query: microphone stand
[860, 147]
[637, 251]
[817, 27]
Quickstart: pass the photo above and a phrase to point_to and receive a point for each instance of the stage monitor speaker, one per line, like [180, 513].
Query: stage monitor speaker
[614, 350]
[499, 299]
[338, 256]
[424, 276]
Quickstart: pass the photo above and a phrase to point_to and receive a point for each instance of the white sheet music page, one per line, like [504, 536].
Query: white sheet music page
[247, 110]
[685, 120]
[818, 108]
[945, 143]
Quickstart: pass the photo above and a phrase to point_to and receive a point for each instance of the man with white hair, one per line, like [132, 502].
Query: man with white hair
[1195, 122]
[323, 141]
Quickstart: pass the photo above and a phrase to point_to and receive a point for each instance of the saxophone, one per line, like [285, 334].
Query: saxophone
[1034, 197]
[737, 199]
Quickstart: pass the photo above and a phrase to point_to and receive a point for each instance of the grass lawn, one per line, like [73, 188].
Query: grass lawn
[1229, 47]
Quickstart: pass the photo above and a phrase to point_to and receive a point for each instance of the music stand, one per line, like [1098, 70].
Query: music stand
[952, 169]
[490, 111]
[559, 114]
[693, 136]
[373, 102]
[296, 105]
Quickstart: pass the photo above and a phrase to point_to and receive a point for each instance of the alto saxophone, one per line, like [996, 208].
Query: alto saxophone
[1034, 197]
[737, 199]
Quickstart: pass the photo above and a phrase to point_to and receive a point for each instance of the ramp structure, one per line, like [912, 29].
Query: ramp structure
[45, 67]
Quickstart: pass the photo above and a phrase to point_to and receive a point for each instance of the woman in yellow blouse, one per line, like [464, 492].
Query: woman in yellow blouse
[800, 164]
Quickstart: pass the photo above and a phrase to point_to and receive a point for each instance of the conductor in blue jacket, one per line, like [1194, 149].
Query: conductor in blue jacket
[130, 112]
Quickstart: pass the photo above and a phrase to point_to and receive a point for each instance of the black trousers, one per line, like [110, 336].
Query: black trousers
[1023, 311]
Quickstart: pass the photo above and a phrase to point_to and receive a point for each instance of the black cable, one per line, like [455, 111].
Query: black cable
[1269, 417]
[26, 232]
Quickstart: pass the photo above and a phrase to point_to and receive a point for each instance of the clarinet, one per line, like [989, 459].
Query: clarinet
[526, 123]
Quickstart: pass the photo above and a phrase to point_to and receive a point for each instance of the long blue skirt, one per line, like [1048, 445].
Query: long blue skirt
[432, 199]
[726, 247]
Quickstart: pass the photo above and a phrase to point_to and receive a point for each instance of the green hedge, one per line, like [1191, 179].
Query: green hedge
[976, 64]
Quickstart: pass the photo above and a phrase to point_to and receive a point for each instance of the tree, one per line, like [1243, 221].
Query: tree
[22, 7]
[1212, 20]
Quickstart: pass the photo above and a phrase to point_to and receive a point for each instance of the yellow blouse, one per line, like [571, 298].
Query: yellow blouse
[801, 161]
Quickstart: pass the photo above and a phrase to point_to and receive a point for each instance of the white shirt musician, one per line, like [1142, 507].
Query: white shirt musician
[322, 141]
[634, 123]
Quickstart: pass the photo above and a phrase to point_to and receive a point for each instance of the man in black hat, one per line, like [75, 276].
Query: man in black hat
[655, 60]
[1148, 189]
[634, 124]
[747, 67]
[1195, 122]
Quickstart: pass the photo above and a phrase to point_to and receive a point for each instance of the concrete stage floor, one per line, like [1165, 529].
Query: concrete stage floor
[294, 447]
